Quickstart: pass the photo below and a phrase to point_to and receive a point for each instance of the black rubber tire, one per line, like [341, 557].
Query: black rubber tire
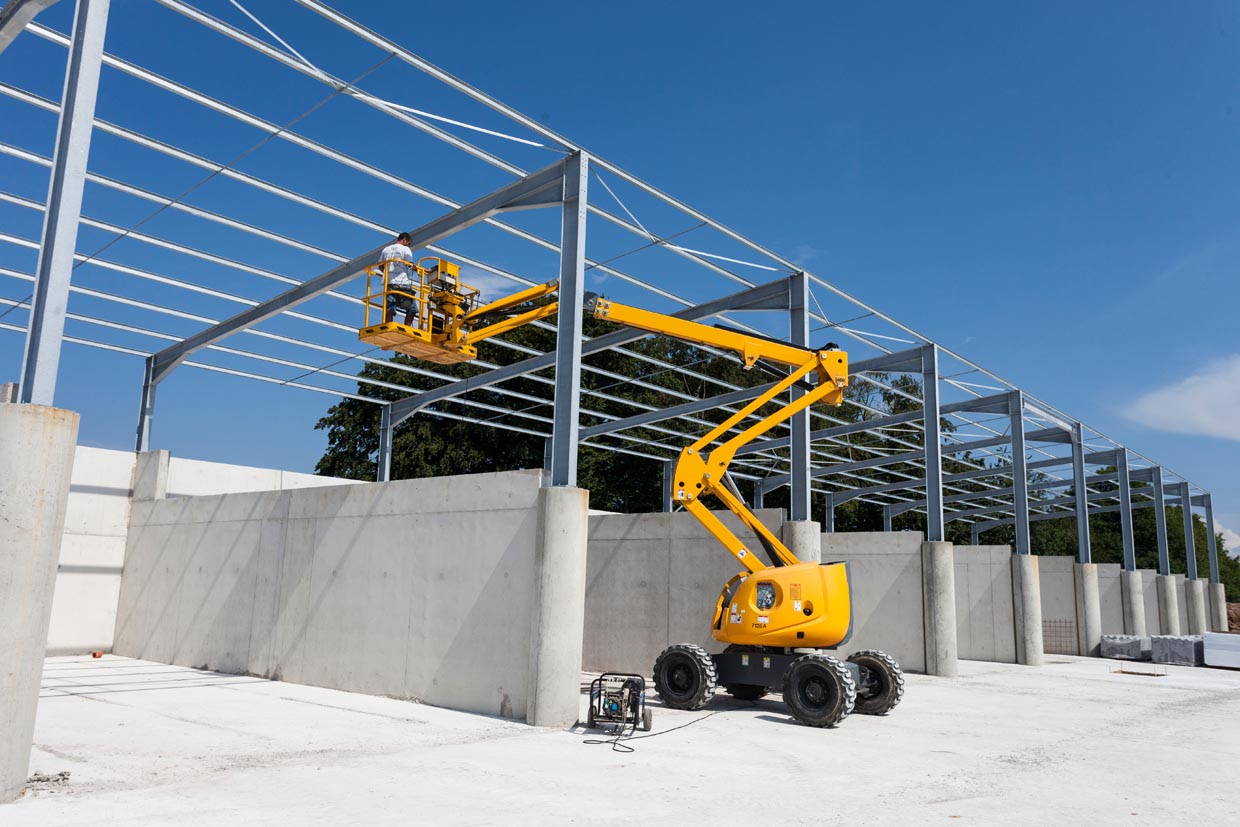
[590, 716]
[744, 691]
[819, 690]
[685, 676]
[647, 719]
[887, 682]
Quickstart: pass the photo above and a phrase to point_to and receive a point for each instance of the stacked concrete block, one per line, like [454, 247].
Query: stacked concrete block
[1185, 650]
[1126, 647]
[1222, 650]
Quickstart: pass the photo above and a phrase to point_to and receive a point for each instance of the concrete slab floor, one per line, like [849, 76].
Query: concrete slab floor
[1068, 742]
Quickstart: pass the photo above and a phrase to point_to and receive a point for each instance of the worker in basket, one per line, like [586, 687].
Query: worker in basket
[399, 259]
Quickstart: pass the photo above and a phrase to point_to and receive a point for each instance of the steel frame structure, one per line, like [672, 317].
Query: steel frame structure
[887, 447]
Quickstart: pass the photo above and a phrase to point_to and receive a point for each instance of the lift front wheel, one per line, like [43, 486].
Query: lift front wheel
[685, 676]
[819, 690]
[882, 682]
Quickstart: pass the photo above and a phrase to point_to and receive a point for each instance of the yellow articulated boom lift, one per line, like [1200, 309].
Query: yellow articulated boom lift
[778, 621]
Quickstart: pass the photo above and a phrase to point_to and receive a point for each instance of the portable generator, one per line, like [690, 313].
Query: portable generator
[617, 698]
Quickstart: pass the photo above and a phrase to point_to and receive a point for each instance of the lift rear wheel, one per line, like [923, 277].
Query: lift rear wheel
[685, 676]
[882, 682]
[819, 690]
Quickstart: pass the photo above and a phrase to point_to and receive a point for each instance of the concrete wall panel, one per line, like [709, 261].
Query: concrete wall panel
[417, 588]
[985, 627]
[886, 591]
[1111, 598]
[652, 580]
[97, 521]
[1059, 625]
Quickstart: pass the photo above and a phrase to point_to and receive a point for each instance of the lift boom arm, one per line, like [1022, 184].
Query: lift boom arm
[697, 474]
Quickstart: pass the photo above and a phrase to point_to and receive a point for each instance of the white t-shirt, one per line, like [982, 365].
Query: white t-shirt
[399, 275]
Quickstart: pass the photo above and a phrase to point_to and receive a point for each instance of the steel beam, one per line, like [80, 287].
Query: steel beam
[15, 15]
[1083, 552]
[1190, 542]
[829, 433]
[567, 414]
[50, 301]
[383, 471]
[993, 509]
[1059, 515]
[1211, 540]
[1125, 509]
[932, 440]
[753, 298]
[542, 186]
[798, 424]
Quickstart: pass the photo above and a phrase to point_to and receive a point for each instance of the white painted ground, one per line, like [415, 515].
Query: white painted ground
[1068, 743]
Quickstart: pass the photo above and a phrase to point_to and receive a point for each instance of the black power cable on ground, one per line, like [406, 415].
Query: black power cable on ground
[618, 741]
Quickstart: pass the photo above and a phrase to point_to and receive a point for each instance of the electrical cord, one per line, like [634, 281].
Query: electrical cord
[618, 741]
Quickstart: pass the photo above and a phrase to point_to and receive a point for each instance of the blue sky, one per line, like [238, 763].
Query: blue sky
[1051, 192]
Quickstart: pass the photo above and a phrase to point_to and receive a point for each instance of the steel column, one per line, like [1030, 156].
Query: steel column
[1211, 540]
[1160, 524]
[669, 473]
[146, 407]
[1083, 552]
[828, 515]
[935, 531]
[886, 518]
[1020, 475]
[1125, 508]
[383, 472]
[759, 495]
[566, 418]
[64, 205]
[798, 334]
[1190, 542]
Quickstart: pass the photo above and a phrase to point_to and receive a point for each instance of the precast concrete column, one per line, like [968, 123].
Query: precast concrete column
[36, 463]
[1088, 608]
[1132, 590]
[559, 607]
[1195, 596]
[1027, 609]
[1168, 604]
[938, 573]
[150, 475]
[1218, 607]
[804, 539]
